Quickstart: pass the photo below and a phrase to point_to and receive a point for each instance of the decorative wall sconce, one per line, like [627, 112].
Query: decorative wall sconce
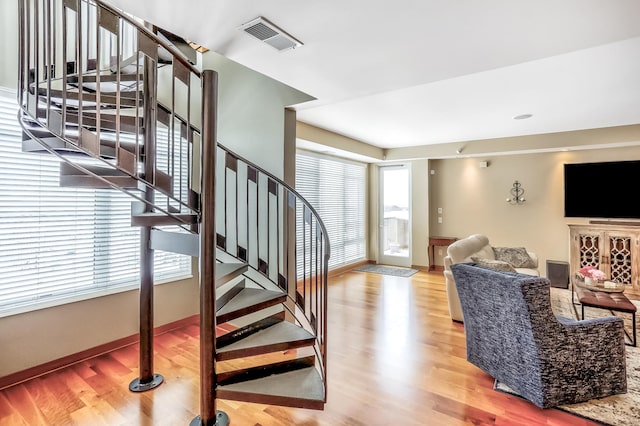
[517, 193]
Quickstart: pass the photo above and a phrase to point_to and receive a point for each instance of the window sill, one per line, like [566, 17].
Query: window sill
[79, 297]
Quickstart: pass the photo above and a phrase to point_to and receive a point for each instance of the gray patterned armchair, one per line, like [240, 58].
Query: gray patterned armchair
[513, 335]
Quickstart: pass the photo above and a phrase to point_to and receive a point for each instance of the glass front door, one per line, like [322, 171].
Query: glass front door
[395, 215]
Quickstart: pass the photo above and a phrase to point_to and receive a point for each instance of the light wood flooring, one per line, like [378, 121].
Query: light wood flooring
[395, 358]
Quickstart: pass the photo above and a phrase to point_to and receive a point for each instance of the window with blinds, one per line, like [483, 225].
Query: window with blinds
[60, 244]
[336, 189]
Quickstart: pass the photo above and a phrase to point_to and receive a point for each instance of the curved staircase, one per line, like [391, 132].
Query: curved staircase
[124, 107]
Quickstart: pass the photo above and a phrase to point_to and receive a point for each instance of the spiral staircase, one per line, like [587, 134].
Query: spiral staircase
[124, 107]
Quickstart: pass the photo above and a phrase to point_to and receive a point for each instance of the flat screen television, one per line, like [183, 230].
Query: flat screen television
[602, 190]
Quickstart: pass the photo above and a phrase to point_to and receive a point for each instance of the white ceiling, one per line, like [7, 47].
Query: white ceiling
[421, 72]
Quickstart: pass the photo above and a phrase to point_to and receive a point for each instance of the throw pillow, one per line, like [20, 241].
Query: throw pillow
[515, 256]
[493, 264]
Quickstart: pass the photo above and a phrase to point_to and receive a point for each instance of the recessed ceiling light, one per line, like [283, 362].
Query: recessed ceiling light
[522, 116]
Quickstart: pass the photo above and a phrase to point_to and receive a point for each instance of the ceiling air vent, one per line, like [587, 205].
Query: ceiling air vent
[275, 37]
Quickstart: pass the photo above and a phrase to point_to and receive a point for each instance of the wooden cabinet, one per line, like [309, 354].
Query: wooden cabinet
[613, 249]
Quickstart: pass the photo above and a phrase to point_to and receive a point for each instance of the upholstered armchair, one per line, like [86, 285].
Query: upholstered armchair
[512, 334]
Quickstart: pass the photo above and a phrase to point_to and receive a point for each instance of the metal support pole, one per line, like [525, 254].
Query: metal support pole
[147, 379]
[208, 414]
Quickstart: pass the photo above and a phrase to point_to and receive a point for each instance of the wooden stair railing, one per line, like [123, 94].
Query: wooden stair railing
[113, 100]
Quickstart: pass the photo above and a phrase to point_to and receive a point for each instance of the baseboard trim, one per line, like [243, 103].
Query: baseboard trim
[39, 370]
[422, 268]
[341, 270]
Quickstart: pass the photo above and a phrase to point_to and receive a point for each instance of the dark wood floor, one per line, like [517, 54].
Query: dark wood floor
[395, 358]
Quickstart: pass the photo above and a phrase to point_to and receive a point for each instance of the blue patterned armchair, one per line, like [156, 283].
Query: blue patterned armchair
[513, 335]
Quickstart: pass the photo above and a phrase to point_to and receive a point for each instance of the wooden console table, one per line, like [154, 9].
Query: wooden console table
[437, 242]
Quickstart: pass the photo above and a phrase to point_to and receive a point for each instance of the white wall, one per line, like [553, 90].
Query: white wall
[251, 113]
[419, 212]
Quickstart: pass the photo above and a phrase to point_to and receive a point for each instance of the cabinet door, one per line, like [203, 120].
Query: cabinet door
[620, 255]
[588, 249]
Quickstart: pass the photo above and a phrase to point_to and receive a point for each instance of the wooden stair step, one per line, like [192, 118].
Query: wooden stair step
[225, 272]
[57, 89]
[271, 334]
[295, 383]
[70, 176]
[187, 244]
[107, 145]
[225, 297]
[246, 301]
[161, 219]
[34, 135]
[108, 85]
[73, 95]
[53, 142]
[174, 242]
[126, 122]
[104, 76]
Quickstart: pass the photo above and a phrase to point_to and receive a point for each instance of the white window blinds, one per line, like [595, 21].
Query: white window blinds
[336, 189]
[61, 243]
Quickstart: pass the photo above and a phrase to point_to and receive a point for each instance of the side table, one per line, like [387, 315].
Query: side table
[437, 242]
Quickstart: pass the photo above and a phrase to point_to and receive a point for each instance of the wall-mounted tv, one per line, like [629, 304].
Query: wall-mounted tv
[602, 190]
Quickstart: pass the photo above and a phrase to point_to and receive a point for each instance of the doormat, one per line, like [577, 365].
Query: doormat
[387, 270]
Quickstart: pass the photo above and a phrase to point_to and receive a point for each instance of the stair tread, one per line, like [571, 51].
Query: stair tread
[70, 176]
[292, 388]
[160, 219]
[104, 76]
[53, 142]
[128, 112]
[280, 333]
[102, 170]
[174, 242]
[57, 86]
[248, 297]
[70, 143]
[225, 272]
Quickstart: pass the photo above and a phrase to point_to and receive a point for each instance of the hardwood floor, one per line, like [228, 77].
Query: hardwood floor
[395, 358]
